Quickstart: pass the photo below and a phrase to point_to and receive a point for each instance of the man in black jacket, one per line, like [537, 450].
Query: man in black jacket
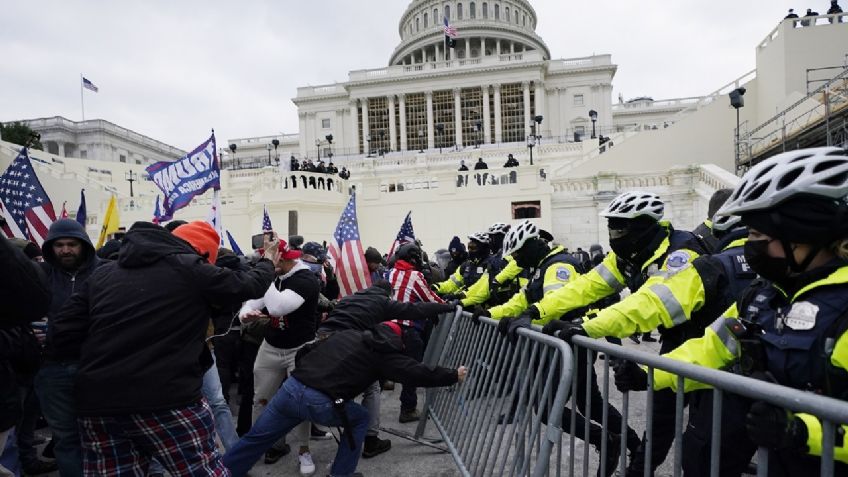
[137, 328]
[363, 311]
[69, 260]
[321, 391]
[25, 298]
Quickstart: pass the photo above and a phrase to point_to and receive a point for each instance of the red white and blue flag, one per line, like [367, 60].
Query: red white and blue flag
[346, 250]
[450, 31]
[405, 235]
[157, 212]
[266, 221]
[189, 176]
[87, 84]
[24, 202]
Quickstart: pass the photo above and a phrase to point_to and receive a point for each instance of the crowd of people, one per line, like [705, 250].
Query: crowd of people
[130, 352]
[307, 165]
[833, 10]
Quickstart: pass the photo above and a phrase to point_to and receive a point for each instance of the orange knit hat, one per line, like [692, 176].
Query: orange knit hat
[202, 237]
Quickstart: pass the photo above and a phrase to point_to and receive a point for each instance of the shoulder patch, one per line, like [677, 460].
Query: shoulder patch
[677, 261]
[563, 274]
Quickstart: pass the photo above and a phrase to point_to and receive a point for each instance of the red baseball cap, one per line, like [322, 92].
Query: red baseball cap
[287, 252]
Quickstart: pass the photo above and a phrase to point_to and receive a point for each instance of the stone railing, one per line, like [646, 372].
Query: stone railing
[298, 180]
[803, 22]
[437, 66]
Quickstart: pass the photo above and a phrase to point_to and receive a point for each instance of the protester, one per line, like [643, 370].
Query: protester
[137, 328]
[321, 391]
[290, 305]
[376, 264]
[479, 165]
[462, 166]
[458, 255]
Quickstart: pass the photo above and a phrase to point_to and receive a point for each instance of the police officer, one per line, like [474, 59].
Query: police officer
[471, 270]
[642, 245]
[553, 268]
[503, 277]
[793, 320]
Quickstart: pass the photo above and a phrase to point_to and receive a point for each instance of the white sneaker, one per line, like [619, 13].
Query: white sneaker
[307, 467]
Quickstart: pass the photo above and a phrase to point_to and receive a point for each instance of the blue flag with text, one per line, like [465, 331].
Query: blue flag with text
[187, 177]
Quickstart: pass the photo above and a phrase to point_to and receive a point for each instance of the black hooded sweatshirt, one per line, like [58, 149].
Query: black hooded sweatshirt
[138, 324]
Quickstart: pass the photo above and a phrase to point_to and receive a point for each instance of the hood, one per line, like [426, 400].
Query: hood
[380, 288]
[145, 246]
[456, 246]
[66, 228]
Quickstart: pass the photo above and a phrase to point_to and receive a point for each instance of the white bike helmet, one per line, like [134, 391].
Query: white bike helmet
[820, 172]
[635, 204]
[723, 223]
[481, 237]
[499, 228]
[518, 236]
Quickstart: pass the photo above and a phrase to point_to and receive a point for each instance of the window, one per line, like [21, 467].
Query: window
[435, 16]
[83, 154]
[426, 24]
[529, 209]
[525, 20]
[516, 17]
[122, 158]
[138, 161]
[578, 100]
[506, 14]
[459, 11]
[417, 24]
[325, 123]
[580, 131]
[472, 10]
[497, 12]
[485, 10]
[447, 12]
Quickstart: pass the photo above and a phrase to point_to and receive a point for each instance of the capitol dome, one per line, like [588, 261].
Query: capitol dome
[485, 28]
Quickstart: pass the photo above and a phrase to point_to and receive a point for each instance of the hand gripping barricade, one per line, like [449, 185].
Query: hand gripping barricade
[494, 424]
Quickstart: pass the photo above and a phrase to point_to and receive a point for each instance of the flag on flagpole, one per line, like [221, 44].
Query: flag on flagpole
[234, 246]
[346, 250]
[189, 176]
[157, 212]
[450, 37]
[214, 217]
[64, 213]
[24, 202]
[87, 84]
[82, 213]
[266, 221]
[405, 235]
[111, 222]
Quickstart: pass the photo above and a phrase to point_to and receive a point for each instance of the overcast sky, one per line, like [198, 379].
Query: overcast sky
[174, 69]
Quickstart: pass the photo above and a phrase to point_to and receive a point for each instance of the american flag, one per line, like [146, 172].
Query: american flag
[346, 250]
[450, 31]
[24, 203]
[266, 221]
[406, 235]
[89, 85]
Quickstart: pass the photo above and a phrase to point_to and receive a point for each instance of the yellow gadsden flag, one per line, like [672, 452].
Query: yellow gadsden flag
[111, 222]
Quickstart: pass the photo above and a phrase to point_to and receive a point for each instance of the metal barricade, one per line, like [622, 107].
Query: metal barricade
[831, 412]
[495, 423]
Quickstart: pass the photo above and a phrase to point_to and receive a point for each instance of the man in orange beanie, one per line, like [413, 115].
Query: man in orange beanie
[137, 328]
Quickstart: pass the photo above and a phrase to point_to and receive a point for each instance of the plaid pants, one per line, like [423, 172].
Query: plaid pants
[181, 439]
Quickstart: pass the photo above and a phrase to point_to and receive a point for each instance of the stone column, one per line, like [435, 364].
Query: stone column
[487, 121]
[482, 47]
[439, 55]
[61, 150]
[431, 127]
[498, 46]
[402, 108]
[301, 117]
[366, 128]
[511, 47]
[468, 48]
[457, 116]
[352, 138]
[526, 86]
[392, 128]
[498, 122]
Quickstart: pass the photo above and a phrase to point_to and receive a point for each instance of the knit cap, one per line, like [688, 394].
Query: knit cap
[202, 237]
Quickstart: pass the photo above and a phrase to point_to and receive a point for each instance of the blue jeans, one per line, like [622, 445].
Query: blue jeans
[294, 403]
[54, 385]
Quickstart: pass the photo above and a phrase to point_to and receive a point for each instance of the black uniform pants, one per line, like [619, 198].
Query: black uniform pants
[247, 357]
[414, 348]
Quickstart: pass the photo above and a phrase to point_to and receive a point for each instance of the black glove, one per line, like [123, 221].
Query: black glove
[630, 377]
[478, 312]
[453, 304]
[565, 330]
[776, 428]
[503, 325]
[523, 321]
[453, 296]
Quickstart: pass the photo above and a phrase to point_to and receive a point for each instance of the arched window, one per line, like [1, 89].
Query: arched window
[436, 16]
[516, 17]
[417, 24]
[447, 12]
[426, 24]
[472, 10]
[497, 12]
[506, 14]
[485, 10]
[459, 11]
[525, 20]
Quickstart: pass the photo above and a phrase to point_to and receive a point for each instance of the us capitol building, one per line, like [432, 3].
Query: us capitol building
[402, 130]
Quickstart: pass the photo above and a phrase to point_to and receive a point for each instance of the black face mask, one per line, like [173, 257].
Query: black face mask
[531, 254]
[768, 267]
[633, 243]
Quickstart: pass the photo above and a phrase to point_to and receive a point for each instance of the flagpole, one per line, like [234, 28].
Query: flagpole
[82, 102]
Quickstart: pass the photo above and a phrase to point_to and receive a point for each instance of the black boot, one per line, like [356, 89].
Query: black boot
[375, 446]
[613, 449]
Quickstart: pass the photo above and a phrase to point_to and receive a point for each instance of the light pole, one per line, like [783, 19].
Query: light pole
[233, 148]
[440, 128]
[318, 149]
[276, 143]
[268, 148]
[131, 177]
[477, 126]
[538, 120]
[593, 115]
[329, 138]
[531, 140]
[421, 139]
[368, 145]
[737, 100]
